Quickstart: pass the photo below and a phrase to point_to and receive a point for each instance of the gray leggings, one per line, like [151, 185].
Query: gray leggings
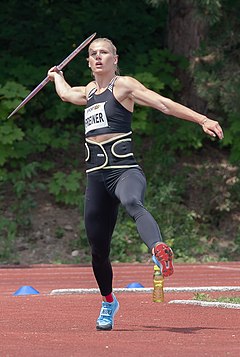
[105, 190]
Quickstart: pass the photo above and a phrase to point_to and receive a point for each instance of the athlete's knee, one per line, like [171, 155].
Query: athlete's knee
[100, 248]
[99, 257]
[91, 215]
[92, 225]
[132, 205]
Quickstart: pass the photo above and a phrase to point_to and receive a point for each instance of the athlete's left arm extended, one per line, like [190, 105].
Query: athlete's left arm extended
[144, 96]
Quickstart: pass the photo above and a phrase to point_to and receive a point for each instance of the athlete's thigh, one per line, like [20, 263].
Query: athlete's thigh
[101, 208]
[131, 185]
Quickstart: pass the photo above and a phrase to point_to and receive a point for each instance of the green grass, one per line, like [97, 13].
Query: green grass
[206, 297]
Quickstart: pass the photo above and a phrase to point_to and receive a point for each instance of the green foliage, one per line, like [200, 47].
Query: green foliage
[161, 77]
[66, 188]
[21, 209]
[210, 10]
[22, 179]
[10, 133]
[237, 244]
[20, 185]
[232, 134]
[217, 71]
[161, 65]
[8, 230]
[59, 232]
[11, 94]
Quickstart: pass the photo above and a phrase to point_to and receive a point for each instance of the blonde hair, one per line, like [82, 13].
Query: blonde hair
[104, 39]
[113, 49]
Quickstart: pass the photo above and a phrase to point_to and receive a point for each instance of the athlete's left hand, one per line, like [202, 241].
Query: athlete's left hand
[212, 128]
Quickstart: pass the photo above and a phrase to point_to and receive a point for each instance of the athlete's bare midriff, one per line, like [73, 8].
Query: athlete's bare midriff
[104, 137]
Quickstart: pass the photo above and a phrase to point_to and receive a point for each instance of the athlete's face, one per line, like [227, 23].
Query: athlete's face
[101, 58]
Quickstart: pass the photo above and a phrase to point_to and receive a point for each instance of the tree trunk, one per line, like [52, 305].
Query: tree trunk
[185, 33]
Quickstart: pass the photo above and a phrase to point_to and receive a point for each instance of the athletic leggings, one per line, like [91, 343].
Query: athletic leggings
[105, 190]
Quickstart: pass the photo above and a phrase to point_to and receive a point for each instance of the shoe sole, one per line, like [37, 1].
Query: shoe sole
[164, 255]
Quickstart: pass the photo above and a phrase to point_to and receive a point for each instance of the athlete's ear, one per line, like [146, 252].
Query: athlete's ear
[116, 59]
[88, 63]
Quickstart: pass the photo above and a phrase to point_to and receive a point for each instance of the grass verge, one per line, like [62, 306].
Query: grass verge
[207, 297]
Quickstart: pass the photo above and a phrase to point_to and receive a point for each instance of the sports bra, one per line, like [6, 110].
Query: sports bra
[104, 114]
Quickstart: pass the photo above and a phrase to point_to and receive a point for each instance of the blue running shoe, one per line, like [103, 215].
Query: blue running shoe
[105, 320]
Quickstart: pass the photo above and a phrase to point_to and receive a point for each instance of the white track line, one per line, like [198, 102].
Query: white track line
[206, 304]
[148, 290]
[222, 267]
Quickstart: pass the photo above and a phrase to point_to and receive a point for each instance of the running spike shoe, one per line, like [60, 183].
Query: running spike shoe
[108, 310]
[163, 257]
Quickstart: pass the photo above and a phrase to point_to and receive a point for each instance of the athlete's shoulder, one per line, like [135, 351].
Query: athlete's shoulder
[126, 82]
[127, 85]
[90, 87]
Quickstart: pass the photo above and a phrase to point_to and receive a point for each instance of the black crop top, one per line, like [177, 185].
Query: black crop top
[104, 114]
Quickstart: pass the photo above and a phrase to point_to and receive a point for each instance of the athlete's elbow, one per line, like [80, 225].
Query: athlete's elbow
[168, 107]
[165, 110]
[64, 97]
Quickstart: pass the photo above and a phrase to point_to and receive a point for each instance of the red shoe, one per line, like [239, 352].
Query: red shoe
[163, 254]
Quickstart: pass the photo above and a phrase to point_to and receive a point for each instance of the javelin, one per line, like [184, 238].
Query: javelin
[59, 67]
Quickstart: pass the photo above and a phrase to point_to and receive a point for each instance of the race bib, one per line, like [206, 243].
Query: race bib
[95, 117]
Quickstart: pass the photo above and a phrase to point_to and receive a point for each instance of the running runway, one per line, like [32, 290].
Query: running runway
[64, 325]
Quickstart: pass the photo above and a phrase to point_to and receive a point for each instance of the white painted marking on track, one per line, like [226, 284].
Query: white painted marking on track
[206, 304]
[148, 290]
[223, 268]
